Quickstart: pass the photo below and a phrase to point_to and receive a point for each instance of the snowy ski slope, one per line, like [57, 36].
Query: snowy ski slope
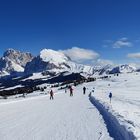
[64, 118]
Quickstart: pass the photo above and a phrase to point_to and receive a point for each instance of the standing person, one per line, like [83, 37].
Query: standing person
[71, 91]
[84, 90]
[110, 96]
[51, 95]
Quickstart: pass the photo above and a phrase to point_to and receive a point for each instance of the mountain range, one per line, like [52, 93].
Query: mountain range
[13, 62]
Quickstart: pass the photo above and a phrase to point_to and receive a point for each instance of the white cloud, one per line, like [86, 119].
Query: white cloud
[123, 42]
[120, 43]
[133, 55]
[80, 55]
[86, 56]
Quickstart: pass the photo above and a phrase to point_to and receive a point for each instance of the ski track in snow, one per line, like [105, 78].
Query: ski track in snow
[125, 107]
[116, 130]
[64, 118]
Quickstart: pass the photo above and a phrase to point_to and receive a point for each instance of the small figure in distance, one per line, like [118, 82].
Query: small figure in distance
[110, 96]
[71, 91]
[51, 95]
[84, 90]
[93, 89]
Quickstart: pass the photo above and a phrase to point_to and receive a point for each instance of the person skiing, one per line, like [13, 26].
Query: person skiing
[71, 91]
[84, 90]
[51, 95]
[110, 96]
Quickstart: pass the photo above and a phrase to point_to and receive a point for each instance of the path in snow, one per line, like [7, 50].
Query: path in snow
[65, 118]
[117, 131]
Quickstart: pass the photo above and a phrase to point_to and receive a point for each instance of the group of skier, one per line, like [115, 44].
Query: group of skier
[71, 92]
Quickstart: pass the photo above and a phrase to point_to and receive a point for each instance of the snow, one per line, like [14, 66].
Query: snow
[3, 73]
[127, 68]
[12, 87]
[64, 118]
[125, 105]
[80, 117]
[16, 67]
[35, 76]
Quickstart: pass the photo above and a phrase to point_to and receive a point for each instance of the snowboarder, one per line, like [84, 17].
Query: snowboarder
[110, 96]
[71, 91]
[84, 90]
[51, 95]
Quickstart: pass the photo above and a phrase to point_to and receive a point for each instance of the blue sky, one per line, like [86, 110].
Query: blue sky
[110, 29]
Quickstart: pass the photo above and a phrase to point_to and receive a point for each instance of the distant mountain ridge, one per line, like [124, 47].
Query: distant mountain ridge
[53, 61]
[123, 69]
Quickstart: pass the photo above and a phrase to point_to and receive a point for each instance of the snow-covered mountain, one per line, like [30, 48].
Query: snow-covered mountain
[52, 61]
[13, 61]
[123, 69]
[55, 61]
[50, 66]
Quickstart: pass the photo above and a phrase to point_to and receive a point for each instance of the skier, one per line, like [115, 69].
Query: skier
[110, 96]
[51, 95]
[71, 91]
[84, 90]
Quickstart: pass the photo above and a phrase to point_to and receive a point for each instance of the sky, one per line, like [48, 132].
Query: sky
[102, 31]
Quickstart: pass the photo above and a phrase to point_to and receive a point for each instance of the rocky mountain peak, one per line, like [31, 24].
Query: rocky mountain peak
[18, 57]
[14, 61]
